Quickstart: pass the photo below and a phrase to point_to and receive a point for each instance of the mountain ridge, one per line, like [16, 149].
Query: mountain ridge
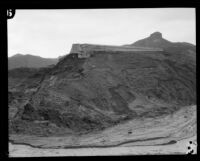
[156, 40]
[31, 61]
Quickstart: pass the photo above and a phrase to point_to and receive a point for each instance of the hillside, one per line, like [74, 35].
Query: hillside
[156, 40]
[29, 61]
[107, 89]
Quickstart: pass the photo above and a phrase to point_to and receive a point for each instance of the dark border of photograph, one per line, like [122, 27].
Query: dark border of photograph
[84, 4]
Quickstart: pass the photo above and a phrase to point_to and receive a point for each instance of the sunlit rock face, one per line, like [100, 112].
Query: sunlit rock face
[109, 87]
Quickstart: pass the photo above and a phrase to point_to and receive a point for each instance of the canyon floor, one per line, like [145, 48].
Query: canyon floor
[181, 147]
[170, 134]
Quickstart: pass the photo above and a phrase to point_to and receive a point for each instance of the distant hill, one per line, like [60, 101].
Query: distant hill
[30, 61]
[156, 40]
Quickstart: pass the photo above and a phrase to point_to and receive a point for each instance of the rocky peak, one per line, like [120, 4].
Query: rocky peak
[17, 55]
[156, 35]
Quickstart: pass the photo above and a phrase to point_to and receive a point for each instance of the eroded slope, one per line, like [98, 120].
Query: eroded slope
[91, 94]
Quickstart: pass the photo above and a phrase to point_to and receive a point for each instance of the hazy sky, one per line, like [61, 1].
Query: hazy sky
[51, 33]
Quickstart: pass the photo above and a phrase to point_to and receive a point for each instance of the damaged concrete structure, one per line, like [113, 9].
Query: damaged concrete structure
[84, 50]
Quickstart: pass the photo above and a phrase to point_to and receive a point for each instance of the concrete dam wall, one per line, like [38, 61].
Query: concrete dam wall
[83, 49]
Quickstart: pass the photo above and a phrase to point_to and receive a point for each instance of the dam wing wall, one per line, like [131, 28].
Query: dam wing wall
[82, 49]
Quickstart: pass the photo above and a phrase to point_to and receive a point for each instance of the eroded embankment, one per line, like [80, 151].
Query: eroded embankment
[109, 88]
[152, 131]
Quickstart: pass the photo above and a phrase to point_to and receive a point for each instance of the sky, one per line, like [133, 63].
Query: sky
[51, 33]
